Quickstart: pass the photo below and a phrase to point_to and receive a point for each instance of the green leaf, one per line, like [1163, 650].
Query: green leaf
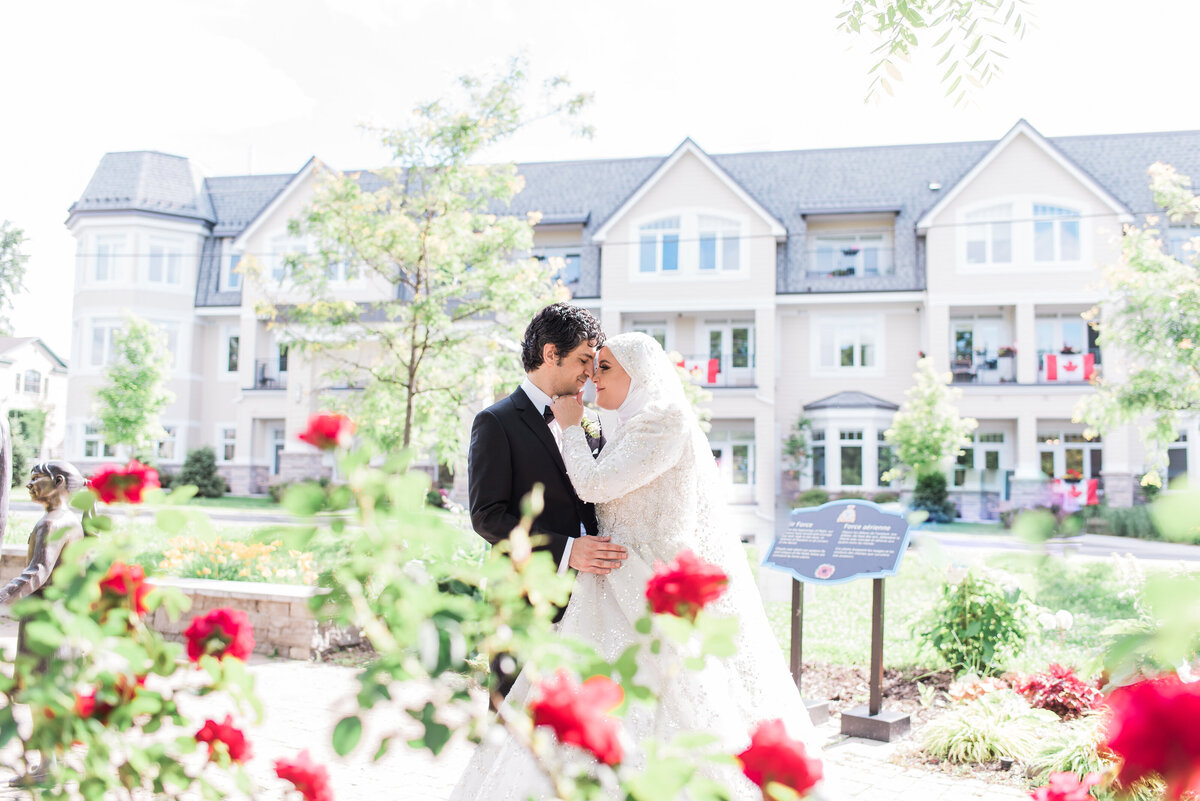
[304, 500]
[346, 734]
[642, 626]
[675, 628]
[694, 663]
[384, 745]
[43, 638]
[171, 521]
[663, 778]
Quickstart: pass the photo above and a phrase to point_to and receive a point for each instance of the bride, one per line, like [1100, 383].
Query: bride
[656, 492]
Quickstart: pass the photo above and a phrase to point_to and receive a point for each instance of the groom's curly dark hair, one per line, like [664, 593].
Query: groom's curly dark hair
[562, 325]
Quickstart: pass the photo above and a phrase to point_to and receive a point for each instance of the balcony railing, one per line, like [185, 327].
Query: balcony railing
[721, 371]
[267, 375]
[1053, 368]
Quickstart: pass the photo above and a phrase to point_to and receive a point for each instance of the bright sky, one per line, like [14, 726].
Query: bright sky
[240, 86]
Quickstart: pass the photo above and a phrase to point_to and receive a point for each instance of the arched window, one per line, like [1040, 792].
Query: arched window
[659, 246]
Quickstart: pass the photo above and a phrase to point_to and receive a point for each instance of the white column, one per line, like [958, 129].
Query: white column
[764, 344]
[938, 335]
[1026, 344]
[1028, 467]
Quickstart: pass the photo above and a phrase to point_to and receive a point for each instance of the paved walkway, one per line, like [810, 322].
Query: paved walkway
[304, 701]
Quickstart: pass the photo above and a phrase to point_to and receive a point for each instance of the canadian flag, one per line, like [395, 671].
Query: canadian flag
[707, 369]
[1070, 367]
[1074, 494]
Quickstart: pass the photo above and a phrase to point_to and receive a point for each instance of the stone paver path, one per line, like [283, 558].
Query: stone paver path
[304, 701]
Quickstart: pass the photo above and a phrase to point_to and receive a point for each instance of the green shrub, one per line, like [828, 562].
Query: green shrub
[22, 460]
[886, 497]
[932, 496]
[811, 497]
[200, 470]
[1073, 747]
[1132, 521]
[976, 624]
[999, 724]
[851, 495]
[279, 489]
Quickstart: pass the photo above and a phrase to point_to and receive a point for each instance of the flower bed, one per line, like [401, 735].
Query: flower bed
[283, 623]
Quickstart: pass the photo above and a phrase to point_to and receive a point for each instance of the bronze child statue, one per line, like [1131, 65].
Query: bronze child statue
[51, 484]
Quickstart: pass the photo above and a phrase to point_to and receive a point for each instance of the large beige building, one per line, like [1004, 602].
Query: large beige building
[801, 283]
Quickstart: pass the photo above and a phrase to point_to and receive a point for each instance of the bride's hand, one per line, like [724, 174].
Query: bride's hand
[568, 410]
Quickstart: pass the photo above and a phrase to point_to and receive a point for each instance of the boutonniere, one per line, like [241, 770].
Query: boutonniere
[590, 427]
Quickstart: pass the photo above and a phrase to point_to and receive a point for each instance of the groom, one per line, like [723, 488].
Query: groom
[516, 443]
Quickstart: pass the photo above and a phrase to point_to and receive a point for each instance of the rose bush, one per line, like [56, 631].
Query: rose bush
[310, 779]
[221, 633]
[775, 758]
[328, 431]
[1153, 730]
[1067, 787]
[115, 484]
[579, 713]
[685, 586]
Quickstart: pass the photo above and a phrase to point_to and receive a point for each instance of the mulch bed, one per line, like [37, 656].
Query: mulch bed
[846, 686]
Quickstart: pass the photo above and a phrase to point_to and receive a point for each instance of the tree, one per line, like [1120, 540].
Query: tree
[12, 270]
[1153, 323]
[969, 34]
[453, 293]
[200, 470]
[796, 446]
[134, 395]
[927, 431]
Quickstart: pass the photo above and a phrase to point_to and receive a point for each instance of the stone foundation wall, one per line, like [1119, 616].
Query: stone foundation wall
[283, 624]
[301, 467]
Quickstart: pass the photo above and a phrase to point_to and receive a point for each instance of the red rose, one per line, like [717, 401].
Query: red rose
[222, 632]
[1066, 787]
[311, 780]
[85, 702]
[1152, 728]
[775, 757]
[578, 713]
[113, 483]
[127, 581]
[328, 431]
[683, 587]
[233, 738]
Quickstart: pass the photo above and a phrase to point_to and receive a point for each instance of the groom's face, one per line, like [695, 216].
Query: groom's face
[569, 372]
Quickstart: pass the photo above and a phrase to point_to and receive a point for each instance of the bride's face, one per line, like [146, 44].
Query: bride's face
[611, 380]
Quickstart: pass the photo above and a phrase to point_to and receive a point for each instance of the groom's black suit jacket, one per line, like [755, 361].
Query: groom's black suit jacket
[511, 450]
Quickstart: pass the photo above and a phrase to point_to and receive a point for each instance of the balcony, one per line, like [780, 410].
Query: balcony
[1057, 367]
[721, 371]
[267, 375]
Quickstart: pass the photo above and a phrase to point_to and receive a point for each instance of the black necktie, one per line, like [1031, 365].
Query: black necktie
[548, 415]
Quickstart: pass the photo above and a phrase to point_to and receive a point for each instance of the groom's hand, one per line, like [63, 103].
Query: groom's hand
[596, 555]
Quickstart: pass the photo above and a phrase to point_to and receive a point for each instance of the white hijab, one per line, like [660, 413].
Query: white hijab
[652, 377]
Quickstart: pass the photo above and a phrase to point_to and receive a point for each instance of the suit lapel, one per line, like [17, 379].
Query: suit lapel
[537, 424]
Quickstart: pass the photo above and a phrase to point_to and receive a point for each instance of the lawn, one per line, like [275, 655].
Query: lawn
[249, 502]
[1097, 592]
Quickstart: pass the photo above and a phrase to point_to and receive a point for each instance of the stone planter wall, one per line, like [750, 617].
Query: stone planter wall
[283, 624]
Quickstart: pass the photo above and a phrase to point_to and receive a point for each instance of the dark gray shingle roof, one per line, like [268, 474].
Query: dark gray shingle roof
[789, 184]
[145, 181]
[851, 400]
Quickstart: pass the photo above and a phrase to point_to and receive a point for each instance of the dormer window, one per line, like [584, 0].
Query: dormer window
[844, 255]
[659, 246]
[1055, 233]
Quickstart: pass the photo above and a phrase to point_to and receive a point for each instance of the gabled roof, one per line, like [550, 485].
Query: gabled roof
[145, 181]
[851, 400]
[9, 345]
[280, 196]
[688, 146]
[1023, 128]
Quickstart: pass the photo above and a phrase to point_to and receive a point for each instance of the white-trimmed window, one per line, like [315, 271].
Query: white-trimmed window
[844, 255]
[657, 329]
[165, 448]
[720, 243]
[94, 446]
[989, 235]
[818, 457]
[231, 279]
[851, 450]
[659, 246]
[1180, 241]
[170, 332]
[885, 459]
[106, 265]
[33, 382]
[283, 247]
[100, 341]
[231, 353]
[732, 445]
[848, 344]
[1055, 233]
[227, 443]
[165, 264]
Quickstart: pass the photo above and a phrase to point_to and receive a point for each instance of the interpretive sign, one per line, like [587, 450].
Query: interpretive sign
[839, 541]
[830, 544]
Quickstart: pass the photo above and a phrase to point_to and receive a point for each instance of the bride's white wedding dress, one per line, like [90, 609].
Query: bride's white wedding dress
[656, 491]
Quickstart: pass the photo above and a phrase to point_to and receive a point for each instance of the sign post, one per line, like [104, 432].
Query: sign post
[834, 543]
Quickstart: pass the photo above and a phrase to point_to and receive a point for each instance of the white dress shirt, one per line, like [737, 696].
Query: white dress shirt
[540, 401]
